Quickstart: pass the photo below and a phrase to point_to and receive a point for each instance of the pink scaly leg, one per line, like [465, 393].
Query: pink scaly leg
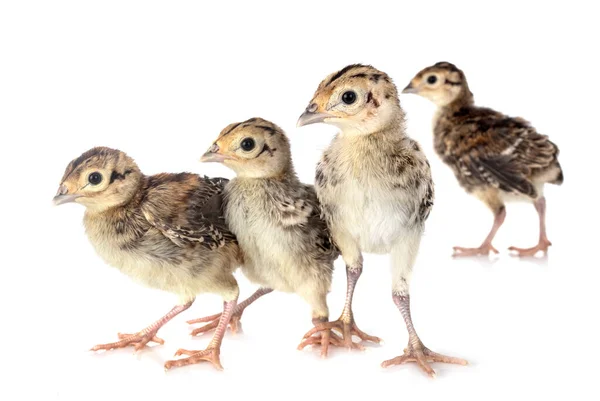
[235, 322]
[140, 339]
[543, 243]
[345, 324]
[213, 351]
[486, 246]
[416, 351]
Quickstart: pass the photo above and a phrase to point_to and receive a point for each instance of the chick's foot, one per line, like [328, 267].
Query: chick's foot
[526, 252]
[235, 324]
[483, 250]
[212, 321]
[324, 338]
[422, 356]
[138, 341]
[210, 354]
[346, 329]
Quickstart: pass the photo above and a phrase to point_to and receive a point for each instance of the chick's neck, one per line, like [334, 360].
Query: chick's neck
[464, 99]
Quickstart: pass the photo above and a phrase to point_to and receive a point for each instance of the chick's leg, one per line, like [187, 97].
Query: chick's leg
[320, 315]
[140, 339]
[213, 350]
[234, 323]
[486, 247]
[543, 243]
[346, 324]
[403, 258]
[416, 351]
[229, 291]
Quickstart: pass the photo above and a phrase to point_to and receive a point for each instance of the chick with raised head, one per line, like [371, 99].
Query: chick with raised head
[166, 231]
[494, 157]
[285, 244]
[374, 184]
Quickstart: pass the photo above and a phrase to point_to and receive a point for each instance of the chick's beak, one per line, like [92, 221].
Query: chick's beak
[311, 116]
[213, 155]
[63, 196]
[410, 89]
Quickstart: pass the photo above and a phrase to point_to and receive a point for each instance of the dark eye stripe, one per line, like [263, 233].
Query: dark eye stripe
[118, 176]
[266, 148]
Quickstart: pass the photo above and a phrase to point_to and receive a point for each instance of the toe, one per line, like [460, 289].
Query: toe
[435, 357]
[157, 340]
[422, 362]
[399, 360]
[204, 328]
[205, 319]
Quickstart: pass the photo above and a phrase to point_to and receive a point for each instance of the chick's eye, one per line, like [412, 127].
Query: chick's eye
[95, 178]
[349, 97]
[247, 144]
[431, 79]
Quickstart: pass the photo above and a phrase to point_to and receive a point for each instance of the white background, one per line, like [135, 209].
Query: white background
[161, 79]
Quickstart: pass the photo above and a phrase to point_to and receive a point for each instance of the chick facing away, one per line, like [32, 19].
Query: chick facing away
[286, 245]
[374, 184]
[494, 157]
[165, 231]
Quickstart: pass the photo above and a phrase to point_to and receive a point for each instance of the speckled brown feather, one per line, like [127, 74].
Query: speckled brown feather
[373, 181]
[485, 148]
[286, 244]
[166, 231]
[375, 185]
[187, 208]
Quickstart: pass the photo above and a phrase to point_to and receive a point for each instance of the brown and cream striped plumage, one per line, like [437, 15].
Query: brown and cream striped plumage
[375, 185]
[483, 147]
[286, 245]
[166, 231]
[495, 157]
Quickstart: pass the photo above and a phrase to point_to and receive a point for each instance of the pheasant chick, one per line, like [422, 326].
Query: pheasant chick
[166, 231]
[286, 246]
[375, 187]
[494, 157]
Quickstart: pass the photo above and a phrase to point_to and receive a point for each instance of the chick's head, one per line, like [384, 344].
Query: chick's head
[252, 148]
[442, 83]
[359, 99]
[99, 179]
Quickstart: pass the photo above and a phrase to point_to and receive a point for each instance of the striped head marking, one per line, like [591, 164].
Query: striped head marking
[442, 83]
[252, 148]
[358, 99]
[99, 179]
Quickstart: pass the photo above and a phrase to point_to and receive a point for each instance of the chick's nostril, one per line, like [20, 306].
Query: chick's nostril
[312, 108]
[62, 190]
